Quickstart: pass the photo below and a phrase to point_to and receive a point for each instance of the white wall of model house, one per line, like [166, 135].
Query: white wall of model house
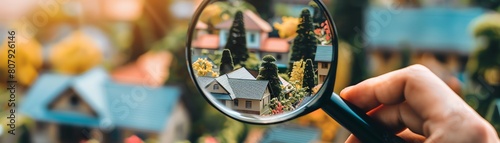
[253, 38]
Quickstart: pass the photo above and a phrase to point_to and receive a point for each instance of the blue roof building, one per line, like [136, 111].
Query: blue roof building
[433, 28]
[93, 100]
[324, 53]
[291, 134]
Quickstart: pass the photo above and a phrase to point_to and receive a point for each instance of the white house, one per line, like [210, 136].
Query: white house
[238, 90]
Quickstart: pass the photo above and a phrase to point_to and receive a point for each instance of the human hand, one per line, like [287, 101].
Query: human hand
[420, 107]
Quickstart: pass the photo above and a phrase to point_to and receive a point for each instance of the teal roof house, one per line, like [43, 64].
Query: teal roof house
[93, 100]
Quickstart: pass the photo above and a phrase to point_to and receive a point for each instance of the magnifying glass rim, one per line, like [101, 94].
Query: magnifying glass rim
[313, 104]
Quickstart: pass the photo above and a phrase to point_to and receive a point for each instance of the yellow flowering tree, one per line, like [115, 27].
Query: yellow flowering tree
[75, 54]
[203, 67]
[288, 28]
[297, 74]
[28, 60]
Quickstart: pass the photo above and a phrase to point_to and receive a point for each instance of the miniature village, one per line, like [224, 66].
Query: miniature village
[250, 72]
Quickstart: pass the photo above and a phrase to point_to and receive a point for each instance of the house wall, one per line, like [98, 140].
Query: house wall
[255, 44]
[322, 71]
[63, 103]
[251, 45]
[256, 105]
[223, 34]
[211, 89]
[265, 100]
[263, 37]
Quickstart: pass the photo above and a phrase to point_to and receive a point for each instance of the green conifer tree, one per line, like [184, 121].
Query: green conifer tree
[236, 41]
[269, 71]
[309, 76]
[304, 45]
[226, 65]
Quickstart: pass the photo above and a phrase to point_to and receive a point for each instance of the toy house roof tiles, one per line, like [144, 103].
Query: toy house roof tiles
[248, 89]
[324, 53]
[241, 73]
[252, 22]
[204, 81]
[207, 41]
[115, 105]
[238, 84]
[276, 45]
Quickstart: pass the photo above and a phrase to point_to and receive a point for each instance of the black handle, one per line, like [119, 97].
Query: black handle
[361, 125]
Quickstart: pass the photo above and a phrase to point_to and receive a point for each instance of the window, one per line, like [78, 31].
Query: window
[278, 57]
[216, 86]
[235, 102]
[252, 37]
[73, 100]
[324, 65]
[248, 104]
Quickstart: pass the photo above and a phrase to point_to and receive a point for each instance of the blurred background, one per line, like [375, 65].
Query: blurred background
[115, 70]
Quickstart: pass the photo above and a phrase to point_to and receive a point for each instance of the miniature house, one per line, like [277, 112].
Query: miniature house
[323, 57]
[257, 39]
[238, 90]
[256, 29]
[64, 105]
[439, 34]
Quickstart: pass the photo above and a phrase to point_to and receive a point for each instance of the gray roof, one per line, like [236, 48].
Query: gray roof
[248, 89]
[324, 53]
[239, 84]
[444, 29]
[241, 73]
[204, 81]
[223, 81]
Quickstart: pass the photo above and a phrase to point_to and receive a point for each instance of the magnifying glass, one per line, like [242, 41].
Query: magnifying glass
[257, 73]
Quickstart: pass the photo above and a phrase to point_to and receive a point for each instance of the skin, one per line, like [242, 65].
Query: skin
[420, 107]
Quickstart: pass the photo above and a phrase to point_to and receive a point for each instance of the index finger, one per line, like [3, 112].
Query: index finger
[416, 84]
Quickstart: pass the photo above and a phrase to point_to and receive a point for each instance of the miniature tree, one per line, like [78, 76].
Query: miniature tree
[236, 41]
[269, 71]
[309, 76]
[297, 74]
[203, 67]
[483, 65]
[304, 45]
[226, 65]
[288, 27]
[318, 13]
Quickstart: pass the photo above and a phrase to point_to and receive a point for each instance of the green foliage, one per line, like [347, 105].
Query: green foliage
[269, 58]
[216, 57]
[287, 101]
[318, 16]
[269, 71]
[252, 62]
[309, 76]
[284, 76]
[226, 65]
[304, 45]
[487, 51]
[236, 41]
